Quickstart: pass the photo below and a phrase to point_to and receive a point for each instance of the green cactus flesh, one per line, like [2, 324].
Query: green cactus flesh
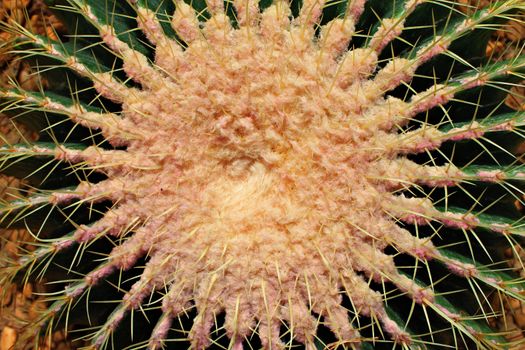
[306, 174]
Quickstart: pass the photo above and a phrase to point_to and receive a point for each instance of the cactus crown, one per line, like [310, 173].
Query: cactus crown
[245, 174]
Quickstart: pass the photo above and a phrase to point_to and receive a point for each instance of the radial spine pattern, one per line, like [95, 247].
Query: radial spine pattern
[265, 169]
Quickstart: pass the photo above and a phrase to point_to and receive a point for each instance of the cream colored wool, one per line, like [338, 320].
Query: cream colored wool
[259, 172]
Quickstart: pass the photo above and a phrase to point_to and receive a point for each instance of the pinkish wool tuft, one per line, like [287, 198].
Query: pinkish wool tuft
[463, 270]
[465, 135]
[491, 176]
[501, 228]
[448, 313]
[433, 49]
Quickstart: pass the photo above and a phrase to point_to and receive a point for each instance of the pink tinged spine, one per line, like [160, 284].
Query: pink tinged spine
[399, 336]
[397, 71]
[150, 26]
[108, 328]
[122, 257]
[355, 64]
[73, 156]
[421, 211]
[215, 6]
[400, 173]
[438, 46]
[86, 233]
[417, 141]
[218, 29]
[501, 228]
[395, 112]
[239, 322]
[355, 9]
[380, 266]
[106, 85]
[136, 65]
[274, 20]
[76, 291]
[335, 315]
[336, 35]
[107, 33]
[419, 248]
[469, 134]
[106, 225]
[116, 222]
[139, 291]
[125, 256]
[436, 95]
[109, 123]
[385, 231]
[82, 191]
[462, 269]
[390, 29]
[200, 332]
[505, 126]
[369, 303]
[385, 115]
[91, 279]
[179, 297]
[338, 322]
[310, 12]
[269, 329]
[411, 5]
[426, 53]
[429, 138]
[459, 221]
[110, 224]
[94, 193]
[169, 57]
[451, 315]
[479, 80]
[63, 244]
[160, 333]
[154, 275]
[301, 320]
[103, 82]
[420, 295]
[238, 345]
[247, 12]
[410, 210]
[94, 277]
[112, 161]
[185, 22]
[491, 176]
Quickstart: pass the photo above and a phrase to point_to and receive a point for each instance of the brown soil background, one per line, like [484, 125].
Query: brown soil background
[20, 304]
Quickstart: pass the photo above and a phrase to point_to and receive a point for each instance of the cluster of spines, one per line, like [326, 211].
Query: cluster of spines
[136, 66]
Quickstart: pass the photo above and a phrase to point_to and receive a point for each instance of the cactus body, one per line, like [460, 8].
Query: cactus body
[241, 175]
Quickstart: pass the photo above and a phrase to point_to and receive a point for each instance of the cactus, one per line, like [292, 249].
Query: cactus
[238, 175]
